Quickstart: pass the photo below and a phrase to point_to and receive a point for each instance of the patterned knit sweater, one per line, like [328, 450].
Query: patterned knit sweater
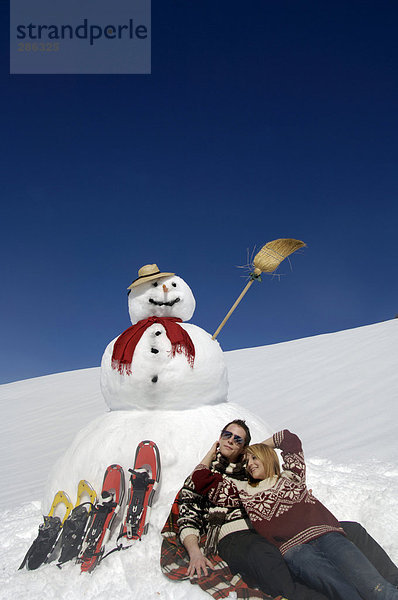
[197, 515]
[280, 509]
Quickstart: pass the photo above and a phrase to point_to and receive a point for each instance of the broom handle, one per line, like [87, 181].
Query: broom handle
[215, 334]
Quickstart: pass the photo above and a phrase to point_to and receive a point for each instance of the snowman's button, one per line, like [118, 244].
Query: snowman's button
[154, 379]
[158, 332]
[154, 350]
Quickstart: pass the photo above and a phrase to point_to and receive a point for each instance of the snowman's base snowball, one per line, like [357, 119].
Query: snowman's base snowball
[183, 438]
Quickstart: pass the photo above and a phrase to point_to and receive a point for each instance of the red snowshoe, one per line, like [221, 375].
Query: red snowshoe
[143, 482]
[102, 518]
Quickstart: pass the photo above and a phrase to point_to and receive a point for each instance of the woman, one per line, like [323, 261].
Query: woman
[284, 511]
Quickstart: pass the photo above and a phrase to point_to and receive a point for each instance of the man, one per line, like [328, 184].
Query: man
[230, 535]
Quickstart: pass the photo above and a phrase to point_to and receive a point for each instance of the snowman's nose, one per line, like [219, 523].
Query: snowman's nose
[165, 288]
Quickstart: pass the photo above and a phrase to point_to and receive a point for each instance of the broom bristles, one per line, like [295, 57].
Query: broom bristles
[273, 253]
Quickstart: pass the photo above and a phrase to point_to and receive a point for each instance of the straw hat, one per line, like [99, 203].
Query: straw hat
[148, 273]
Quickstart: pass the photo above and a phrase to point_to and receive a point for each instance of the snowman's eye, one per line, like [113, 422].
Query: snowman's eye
[174, 284]
[155, 284]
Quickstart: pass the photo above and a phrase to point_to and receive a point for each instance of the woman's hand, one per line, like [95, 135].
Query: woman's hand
[198, 564]
[211, 455]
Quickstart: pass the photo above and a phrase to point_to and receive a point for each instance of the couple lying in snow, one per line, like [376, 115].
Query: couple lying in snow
[262, 531]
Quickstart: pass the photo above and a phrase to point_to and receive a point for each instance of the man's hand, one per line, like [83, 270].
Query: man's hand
[198, 563]
[211, 455]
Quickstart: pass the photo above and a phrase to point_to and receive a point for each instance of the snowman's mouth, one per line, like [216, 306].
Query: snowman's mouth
[171, 303]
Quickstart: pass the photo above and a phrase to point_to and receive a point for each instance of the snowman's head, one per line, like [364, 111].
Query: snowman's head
[167, 296]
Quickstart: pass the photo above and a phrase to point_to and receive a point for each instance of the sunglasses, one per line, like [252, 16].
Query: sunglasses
[227, 435]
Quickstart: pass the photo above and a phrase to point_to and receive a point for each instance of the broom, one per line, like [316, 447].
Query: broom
[266, 261]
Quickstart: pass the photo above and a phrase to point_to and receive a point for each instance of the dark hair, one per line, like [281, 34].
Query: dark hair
[242, 424]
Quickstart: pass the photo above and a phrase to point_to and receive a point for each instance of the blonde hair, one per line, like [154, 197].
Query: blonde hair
[269, 459]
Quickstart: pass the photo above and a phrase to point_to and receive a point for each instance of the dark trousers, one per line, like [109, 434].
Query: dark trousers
[261, 564]
[371, 549]
[335, 566]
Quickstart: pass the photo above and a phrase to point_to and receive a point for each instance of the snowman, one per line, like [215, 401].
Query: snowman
[165, 380]
[162, 362]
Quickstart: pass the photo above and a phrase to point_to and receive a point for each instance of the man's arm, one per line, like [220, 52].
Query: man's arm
[190, 524]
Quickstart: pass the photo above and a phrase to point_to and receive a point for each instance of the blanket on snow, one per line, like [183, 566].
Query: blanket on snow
[174, 561]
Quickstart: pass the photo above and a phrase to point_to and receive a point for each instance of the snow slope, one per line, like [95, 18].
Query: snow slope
[338, 391]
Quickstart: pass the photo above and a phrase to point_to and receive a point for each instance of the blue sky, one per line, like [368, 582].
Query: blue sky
[259, 120]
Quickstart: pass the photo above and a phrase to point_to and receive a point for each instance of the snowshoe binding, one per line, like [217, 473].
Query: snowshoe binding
[74, 528]
[48, 535]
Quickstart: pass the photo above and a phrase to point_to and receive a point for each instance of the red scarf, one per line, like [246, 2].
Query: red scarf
[125, 344]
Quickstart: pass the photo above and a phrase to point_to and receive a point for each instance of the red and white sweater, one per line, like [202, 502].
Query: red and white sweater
[282, 510]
